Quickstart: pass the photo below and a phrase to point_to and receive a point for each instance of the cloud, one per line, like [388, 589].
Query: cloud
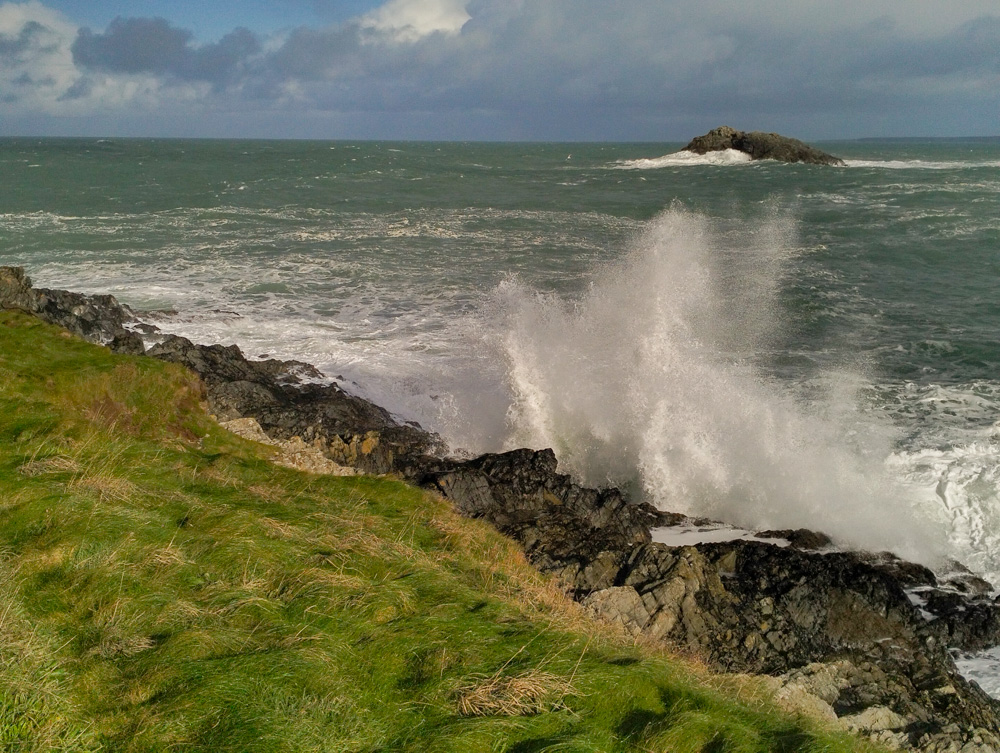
[35, 64]
[40, 78]
[410, 20]
[538, 69]
[153, 45]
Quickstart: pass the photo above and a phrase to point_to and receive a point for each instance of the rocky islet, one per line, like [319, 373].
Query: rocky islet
[760, 145]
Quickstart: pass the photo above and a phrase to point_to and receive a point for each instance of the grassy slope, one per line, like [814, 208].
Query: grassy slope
[164, 587]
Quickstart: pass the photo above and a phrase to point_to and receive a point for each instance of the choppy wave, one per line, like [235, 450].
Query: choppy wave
[685, 158]
[982, 668]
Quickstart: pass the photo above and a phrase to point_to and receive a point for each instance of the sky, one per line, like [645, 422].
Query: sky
[553, 70]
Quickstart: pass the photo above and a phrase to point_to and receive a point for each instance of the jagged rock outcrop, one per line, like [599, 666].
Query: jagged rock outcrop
[857, 638]
[760, 145]
[348, 429]
[865, 699]
[99, 318]
[522, 495]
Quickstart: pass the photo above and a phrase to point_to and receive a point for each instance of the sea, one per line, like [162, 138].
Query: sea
[763, 344]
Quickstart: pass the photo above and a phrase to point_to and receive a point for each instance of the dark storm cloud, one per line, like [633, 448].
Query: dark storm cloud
[153, 45]
[311, 55]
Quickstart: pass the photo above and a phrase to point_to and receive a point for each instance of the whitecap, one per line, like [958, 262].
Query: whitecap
[685, 158]
[691, 535]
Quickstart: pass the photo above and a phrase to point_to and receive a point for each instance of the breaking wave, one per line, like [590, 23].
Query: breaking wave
[646, 381]
[685, 158]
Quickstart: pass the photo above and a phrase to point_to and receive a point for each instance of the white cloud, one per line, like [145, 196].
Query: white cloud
[36, 64]
[39, 76]
[410, 20]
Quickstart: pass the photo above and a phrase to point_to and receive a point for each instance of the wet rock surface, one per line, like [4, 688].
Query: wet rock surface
[761, 145]
[859, 639]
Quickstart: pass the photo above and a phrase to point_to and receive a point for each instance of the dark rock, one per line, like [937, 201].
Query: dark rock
[907, 574]
[965, 581]
[760, 145]
[559, 524]
[754, 607]
[903, 714]
[966, 623]
[800, 538]
[348, 429]
[98, 318]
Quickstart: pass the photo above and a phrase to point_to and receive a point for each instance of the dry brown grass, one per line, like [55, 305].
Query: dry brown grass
[531, 692]
[112, 414]
[268, 492]
[12, 501]
[318, 582]
[167, 556]
[55, 464]
[277, 529]
[221, 476]
[113, 647]
[107, 488]
[180, 613]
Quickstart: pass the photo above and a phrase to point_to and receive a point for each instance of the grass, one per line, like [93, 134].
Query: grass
[164, 587]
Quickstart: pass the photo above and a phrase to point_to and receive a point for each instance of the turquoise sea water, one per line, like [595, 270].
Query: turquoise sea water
[773, 345]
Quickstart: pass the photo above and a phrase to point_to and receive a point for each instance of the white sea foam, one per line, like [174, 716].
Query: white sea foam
[689, 535]
[685, 158]
[645, 382]
[983, 668]
[958, 489]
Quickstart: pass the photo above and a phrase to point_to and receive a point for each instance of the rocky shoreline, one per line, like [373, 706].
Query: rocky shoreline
[863, 640]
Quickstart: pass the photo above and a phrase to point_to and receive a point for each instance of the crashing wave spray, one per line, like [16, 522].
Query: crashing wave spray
[646, 381]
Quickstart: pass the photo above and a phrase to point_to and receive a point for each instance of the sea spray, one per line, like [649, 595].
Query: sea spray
[647, 381]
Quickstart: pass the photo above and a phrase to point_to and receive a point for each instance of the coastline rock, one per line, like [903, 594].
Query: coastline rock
[760, 145]
[860, 637]
[292, 453]
[349, 430]
[98, 318]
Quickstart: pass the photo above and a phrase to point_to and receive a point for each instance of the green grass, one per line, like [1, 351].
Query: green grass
[163, 586]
